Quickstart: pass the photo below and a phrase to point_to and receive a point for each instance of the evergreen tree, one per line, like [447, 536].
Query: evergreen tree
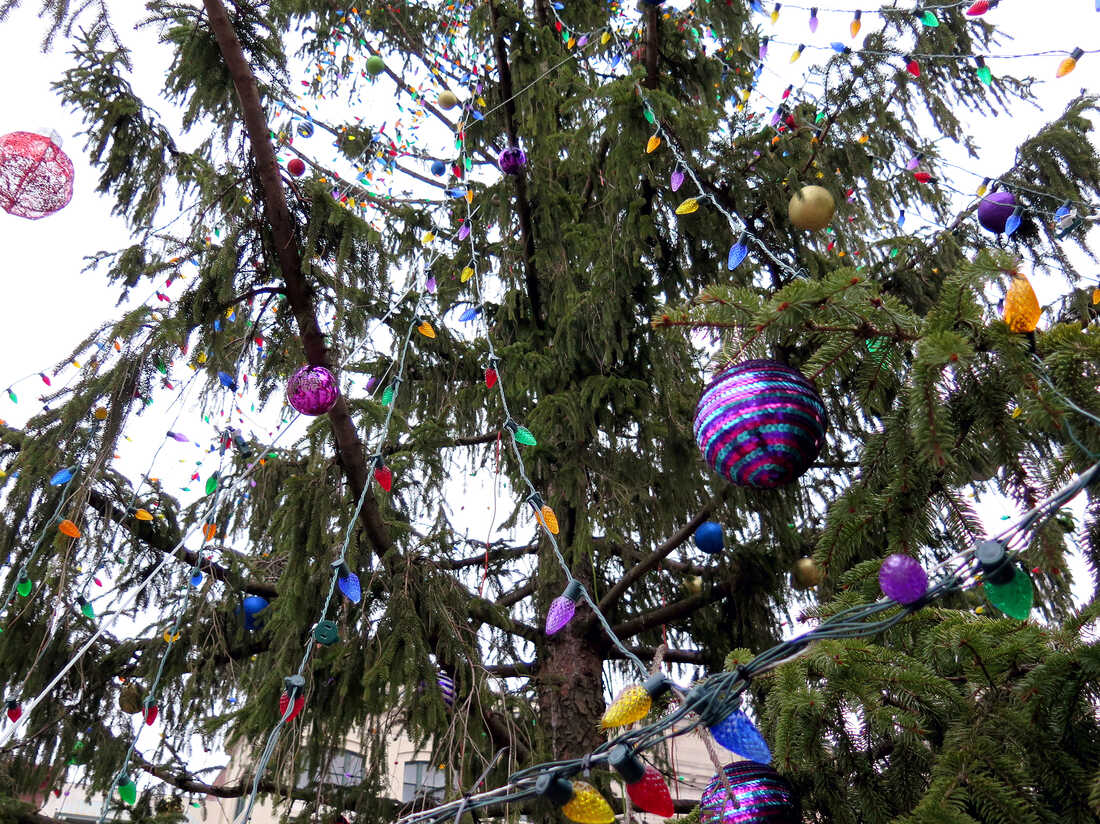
[590, 273]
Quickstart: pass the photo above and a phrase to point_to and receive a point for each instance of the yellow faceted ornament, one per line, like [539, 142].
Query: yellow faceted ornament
[632, 704]
[1021, 306]
[688, 206]
[587, 806]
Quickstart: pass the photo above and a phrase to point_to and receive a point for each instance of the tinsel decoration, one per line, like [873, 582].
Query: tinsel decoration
[36, 177]
[760, 423]
[760, 794]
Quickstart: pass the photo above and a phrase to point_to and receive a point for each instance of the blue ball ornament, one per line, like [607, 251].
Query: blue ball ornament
[253, 605]
[438, 168]
[708, 537]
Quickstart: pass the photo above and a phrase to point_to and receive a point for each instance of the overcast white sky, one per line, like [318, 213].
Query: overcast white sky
[49, 304]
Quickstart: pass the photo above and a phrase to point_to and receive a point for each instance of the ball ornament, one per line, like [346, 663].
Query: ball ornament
[312, 390]
[995, 210]
[760, 423]
[36, 177]
[811, 208]
[760, 794]
[447, 99]
[806, 574]
[512, 160]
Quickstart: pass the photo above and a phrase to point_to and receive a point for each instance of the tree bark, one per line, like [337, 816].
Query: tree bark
[349, 448]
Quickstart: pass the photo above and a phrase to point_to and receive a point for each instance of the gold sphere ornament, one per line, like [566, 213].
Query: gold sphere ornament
[807, 574]
[100, 413]
[447, 99]
[811, 208]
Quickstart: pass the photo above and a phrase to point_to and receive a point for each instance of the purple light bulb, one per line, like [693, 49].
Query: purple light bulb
[902, 578]
[914, 161]
[562, 608]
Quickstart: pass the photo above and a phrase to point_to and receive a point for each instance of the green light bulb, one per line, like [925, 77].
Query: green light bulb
[387, 396]
[1014, 597]
[929, 19]
[127, 789]
[524, 436]
[984, 73]
[24, 585]
[86, 607]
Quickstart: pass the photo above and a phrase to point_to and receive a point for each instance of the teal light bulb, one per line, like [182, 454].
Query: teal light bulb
[1014, 597]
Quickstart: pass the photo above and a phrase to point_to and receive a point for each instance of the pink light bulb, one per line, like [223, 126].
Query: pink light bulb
[562, 608]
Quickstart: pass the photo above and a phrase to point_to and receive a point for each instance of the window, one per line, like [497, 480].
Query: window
[422, 782]
[345, 769]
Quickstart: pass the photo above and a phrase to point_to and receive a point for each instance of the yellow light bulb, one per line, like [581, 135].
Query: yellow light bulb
[688, 206]
[143, 515]
[1070, 63]
[467, 273]
[548, 519]
[651, 146]
[587, 806]
[1021, 305]
[797, 53]
[426, 329]
[632, 704]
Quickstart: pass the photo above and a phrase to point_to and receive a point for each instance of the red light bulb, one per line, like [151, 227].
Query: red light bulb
[922, 177]
[14, 710]
[151, 714]
[384, 476]
[490, 377]
[651, 794]
[284, 702]
[912, 66]
[979, 8]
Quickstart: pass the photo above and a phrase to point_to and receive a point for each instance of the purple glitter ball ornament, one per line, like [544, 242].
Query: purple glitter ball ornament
[562, 608]
[760, 423]
[312, 390]
[995, 210]
[760, 794]
[902, 578]
[512, 160]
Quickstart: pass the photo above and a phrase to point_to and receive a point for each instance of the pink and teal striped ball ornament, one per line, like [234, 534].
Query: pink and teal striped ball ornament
[760, 423]
[760, 794]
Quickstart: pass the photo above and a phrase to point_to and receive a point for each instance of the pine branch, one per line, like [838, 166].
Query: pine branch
[164, 542]
[352, 455]
[657, 555]
[672, 612]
